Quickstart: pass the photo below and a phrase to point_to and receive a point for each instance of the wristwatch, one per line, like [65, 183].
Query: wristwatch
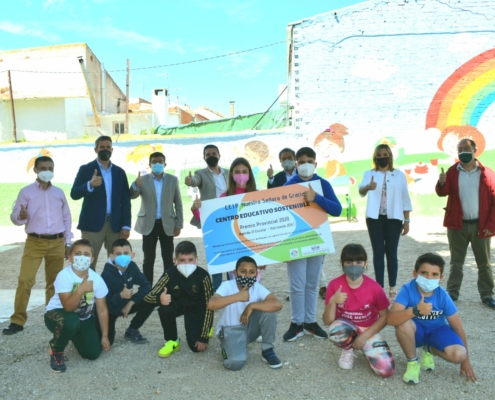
[416, 312]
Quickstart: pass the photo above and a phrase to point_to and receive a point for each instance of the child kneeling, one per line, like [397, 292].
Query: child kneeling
[184, 290]
[69, 314]
[425, 316]
[248, 310]
[356, 310]
[120, 275]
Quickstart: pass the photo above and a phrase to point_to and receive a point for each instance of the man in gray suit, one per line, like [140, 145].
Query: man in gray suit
[211, 182]
[160, 216]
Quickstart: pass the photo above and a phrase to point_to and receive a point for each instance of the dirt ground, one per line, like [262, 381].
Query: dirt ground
[310, 365]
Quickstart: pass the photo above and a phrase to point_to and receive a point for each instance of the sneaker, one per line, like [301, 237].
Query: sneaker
[57, 361]
[13, 329]
[427, 361]
[133, 335]
[271, 358]
[294, 332]
[315, 330]
[412, 372]
[170, 347]
[210, 333]
[259, 339]
[346, 360]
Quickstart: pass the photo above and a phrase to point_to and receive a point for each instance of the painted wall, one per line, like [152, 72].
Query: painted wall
[183, 155]
[418, 75]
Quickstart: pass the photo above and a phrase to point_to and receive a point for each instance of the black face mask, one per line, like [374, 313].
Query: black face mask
[212, 161]
[382, 162]
[104, 155]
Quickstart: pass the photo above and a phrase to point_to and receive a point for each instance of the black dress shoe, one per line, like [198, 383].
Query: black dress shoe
[14, 328]
[488, 301]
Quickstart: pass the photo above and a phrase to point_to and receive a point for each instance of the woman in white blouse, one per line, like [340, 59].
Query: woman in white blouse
[387, 213]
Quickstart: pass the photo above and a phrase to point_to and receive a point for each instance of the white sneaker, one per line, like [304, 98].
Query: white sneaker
[346, 360]
[259, 339]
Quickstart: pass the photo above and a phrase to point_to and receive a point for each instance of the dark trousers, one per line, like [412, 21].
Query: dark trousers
[149, 250]
[66, 326]
[111, 323]
[168, 314]
[384, 236]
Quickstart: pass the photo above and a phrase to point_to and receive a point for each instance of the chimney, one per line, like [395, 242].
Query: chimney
[159, 101]
[232, 108]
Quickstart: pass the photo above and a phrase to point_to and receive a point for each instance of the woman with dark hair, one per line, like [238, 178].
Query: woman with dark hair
[241, 180]
[387, 213]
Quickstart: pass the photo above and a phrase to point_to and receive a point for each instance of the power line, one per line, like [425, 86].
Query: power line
[157, 66]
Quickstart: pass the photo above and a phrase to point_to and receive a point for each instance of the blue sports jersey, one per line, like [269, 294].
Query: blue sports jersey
[443, 306]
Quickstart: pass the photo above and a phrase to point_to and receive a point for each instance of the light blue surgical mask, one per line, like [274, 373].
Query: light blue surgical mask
[427, 285]
[123, 260]
[157, 168]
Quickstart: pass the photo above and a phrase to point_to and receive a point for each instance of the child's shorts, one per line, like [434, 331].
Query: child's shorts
[439, 338]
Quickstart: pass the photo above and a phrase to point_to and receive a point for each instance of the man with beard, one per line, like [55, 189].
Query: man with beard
[211, 182]
[106, 210]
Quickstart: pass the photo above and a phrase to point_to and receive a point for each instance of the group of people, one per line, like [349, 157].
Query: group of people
[357, 308]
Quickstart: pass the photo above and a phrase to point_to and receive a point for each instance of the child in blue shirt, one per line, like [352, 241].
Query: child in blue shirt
[425, 316]
[304, 274]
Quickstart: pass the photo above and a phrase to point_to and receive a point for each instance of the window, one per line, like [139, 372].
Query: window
[118, 127]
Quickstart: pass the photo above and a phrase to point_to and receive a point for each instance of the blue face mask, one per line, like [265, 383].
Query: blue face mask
[427, 285]
[123, 260]
[157, 168]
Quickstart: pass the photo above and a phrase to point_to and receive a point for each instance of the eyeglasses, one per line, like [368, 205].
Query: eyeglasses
[466, 149]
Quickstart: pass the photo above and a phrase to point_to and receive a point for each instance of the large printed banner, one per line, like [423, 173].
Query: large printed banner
[272, 226]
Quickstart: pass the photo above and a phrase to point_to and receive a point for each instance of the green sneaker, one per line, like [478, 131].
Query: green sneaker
[412, 372]
[427, 361]
[169, 348]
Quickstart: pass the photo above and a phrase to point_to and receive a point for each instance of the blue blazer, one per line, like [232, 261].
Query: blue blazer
[94, 208]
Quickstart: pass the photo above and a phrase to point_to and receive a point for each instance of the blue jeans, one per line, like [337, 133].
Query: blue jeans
[384, 236]
[304, 275]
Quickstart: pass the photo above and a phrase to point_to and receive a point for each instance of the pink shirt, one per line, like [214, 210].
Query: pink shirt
[48, 211]
[362, 304]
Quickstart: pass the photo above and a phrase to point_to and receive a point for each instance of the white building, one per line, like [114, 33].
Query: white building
[51, 97]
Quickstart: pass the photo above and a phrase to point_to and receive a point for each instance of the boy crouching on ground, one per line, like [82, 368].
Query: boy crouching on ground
[69, 314]
[182, 290]
[425, 316]
[248, 310]
[120, 275]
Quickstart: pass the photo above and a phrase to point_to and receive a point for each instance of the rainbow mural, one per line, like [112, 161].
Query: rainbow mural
[465, 95]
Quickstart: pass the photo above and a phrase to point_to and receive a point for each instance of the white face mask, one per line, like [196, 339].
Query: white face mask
[81, 263]
[45, 176]
[186, 269]
[306, 170]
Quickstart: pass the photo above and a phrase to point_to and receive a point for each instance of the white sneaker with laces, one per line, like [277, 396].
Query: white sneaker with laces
[346, 360]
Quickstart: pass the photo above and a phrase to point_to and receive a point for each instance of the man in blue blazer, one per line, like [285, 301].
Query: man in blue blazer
[287, 159]
[106, 210]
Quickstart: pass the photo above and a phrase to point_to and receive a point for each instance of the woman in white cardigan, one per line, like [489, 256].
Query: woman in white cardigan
[387, 213]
